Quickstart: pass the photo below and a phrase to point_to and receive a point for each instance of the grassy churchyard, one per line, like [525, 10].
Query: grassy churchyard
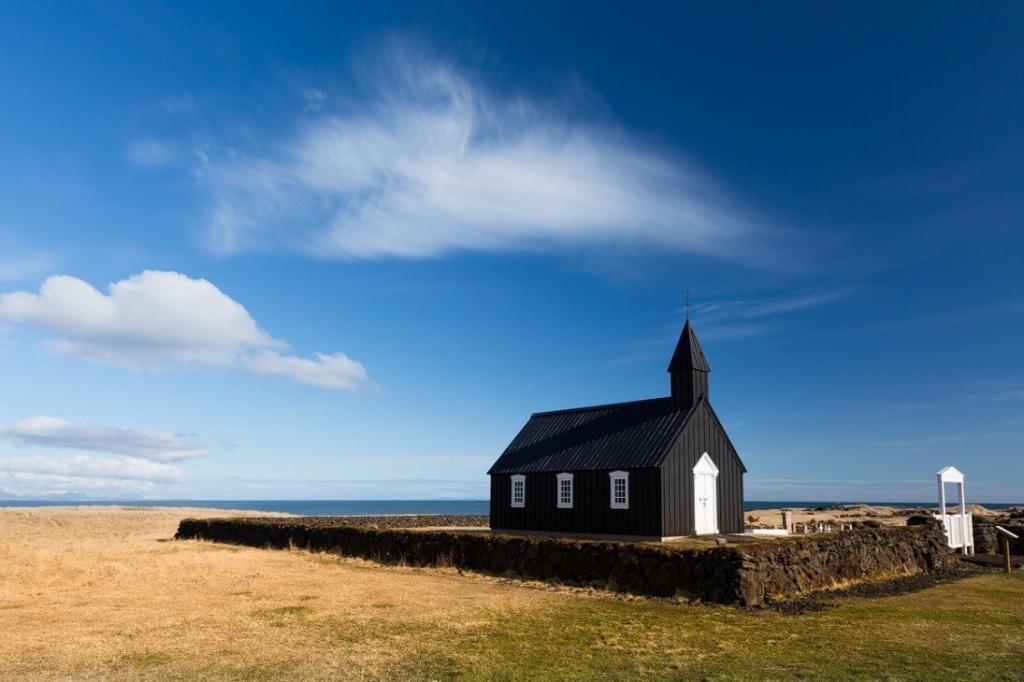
[95, 592]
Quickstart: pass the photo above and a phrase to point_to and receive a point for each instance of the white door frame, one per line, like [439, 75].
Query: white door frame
[705, 467]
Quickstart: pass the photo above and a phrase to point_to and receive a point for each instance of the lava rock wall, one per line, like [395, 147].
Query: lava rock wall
[806, 564]
[748, 574]
[389, 521]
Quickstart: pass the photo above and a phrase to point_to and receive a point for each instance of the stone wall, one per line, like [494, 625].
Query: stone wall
[986, 539]
[805, 564]
[984, 535]
[748, 574]
[392, 521]
[650, 569]
[1016, 546]
[1012, 519]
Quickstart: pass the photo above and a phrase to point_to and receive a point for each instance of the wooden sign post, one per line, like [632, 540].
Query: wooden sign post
[1004, 537]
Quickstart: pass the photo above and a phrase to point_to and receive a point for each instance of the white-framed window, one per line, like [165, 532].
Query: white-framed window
[564, 491]
[519, 490]
[619, 489]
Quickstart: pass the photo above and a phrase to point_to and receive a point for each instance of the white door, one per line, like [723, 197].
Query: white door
[705, 496]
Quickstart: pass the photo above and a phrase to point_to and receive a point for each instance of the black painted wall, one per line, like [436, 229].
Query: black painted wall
[591, 512]
[703, 433]
[687, 388]
[661, 499]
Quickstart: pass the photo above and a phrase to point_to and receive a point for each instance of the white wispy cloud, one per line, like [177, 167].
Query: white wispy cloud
[88, 467]
[314, 99]
[31, 485]
[109, 477]
[754, 308]
[150, 153]
[432, 161]
[1008, 395]
[56, 433]
[728, 320]
[157, 318]
[178, 104]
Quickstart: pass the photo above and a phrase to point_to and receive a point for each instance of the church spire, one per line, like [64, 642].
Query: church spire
[688, 369]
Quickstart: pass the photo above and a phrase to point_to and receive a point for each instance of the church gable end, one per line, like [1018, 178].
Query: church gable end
[703, 433]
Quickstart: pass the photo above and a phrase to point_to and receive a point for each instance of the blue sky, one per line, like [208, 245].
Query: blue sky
[340, 251]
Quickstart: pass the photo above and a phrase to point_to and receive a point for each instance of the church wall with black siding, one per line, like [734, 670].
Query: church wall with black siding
[661, 438]
[591, 511]
[702, 434]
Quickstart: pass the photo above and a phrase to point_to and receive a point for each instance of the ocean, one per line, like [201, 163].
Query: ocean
[376, 507]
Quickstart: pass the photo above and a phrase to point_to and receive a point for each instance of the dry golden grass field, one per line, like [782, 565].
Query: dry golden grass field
[95, 592]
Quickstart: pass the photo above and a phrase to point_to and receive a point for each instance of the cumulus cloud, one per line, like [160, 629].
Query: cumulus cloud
[52, 432]
[430, 161]
[155, 318]
[326, 371]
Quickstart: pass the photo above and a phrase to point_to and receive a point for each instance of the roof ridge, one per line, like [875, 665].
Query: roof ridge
[605, 406]
[702, 400]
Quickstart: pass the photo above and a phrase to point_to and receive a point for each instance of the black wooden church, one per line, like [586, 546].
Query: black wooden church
[655, 468]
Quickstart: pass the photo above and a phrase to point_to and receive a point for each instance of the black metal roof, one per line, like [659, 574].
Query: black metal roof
[688, 354]
[631, 435]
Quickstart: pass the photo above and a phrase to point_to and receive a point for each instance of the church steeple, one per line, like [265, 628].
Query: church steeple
[689, 370]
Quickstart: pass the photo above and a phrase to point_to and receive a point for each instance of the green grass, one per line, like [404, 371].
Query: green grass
[973, 629]
[968, 630]
[145, 660]
[284, 616]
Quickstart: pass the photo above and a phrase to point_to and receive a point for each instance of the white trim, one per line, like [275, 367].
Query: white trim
[521, 502]
[564, 504]
[613, 477]
[705, 465]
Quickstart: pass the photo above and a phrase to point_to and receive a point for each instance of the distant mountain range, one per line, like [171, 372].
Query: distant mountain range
[69, 496]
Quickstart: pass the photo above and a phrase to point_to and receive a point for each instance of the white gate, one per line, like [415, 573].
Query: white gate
[958, 528]
[705, 496]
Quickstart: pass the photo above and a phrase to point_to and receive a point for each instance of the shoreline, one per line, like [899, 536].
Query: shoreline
[749, 506]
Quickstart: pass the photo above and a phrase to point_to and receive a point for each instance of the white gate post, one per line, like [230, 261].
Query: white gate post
[963, 517]
[942, 495]
[952, 524]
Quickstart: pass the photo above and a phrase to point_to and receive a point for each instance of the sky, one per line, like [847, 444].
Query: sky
[343, 251]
